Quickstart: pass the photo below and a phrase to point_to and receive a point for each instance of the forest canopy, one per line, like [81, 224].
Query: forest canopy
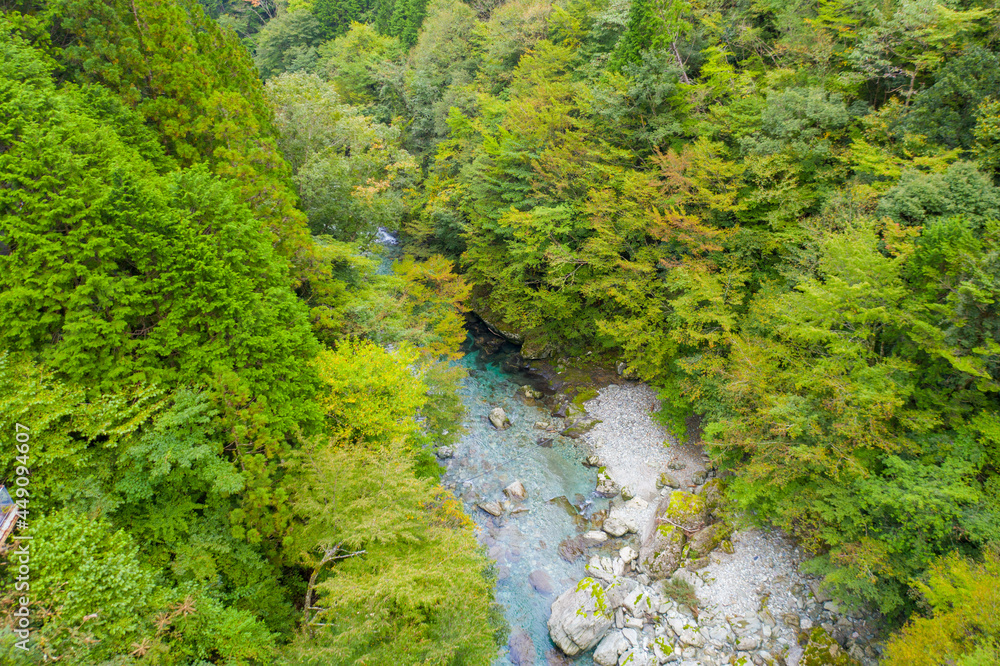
[783, 216]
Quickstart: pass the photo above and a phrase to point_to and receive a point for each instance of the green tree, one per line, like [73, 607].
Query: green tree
[963, 627]
[287, 43]
[349, 169]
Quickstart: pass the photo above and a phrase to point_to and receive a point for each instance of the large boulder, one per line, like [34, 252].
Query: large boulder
[536, 346]
[706, 540]
[660, 553]
[499, 419]
[711, 492]
[580, 617]
[613, 645]
[683, 510]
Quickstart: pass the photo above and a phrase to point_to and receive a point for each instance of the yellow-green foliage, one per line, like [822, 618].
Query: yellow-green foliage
[371, 394]
[964, 625]
[597, 593]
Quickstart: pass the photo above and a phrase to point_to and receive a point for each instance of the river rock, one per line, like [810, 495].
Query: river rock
[620, 518]
[596, 536]
[536, 347]
[681, 509]
[606, 486]
[541, 581]
[529, 392]
[615, 526]
[607, 652]
[627, 553]
[711, 492]
[667, 480]
[642, 602]
[660, 554]
[445, 452]
[664, 650]
[638, 657]
[498, 417]
[492, 507]
[521, 649]
[592, 461]
[618, 588]
[627, 493]
[705, 541]
[580, 617]
[515, 491]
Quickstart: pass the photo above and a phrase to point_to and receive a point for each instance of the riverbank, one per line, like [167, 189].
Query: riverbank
[753, 604]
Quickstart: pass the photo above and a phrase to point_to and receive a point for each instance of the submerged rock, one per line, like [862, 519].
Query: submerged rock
[580, 617]
[498, 417]
[541, 581]
[515, 491]
[492, 507]
[521, 649]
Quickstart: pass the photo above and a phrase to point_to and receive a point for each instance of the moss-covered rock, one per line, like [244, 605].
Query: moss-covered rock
[579, 429]
[713, 495]
[606, 486]
[660, 554]
[585, 394]
[667, 480]
[536, 346]
[705, 541]
[683, 510]
[822, 650]
[580, 617]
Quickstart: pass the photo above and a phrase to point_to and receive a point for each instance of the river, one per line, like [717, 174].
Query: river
[524, 542]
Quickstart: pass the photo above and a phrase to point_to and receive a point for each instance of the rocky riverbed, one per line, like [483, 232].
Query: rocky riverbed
[682, 587]
[607, 536]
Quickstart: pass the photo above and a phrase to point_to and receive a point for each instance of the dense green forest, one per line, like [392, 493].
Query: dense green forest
[783, 215]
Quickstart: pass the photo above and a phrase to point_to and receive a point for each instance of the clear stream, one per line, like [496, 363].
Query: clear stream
[560, 493]
[560, 496]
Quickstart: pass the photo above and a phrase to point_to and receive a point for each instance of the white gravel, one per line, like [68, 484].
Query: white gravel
[762, 570]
